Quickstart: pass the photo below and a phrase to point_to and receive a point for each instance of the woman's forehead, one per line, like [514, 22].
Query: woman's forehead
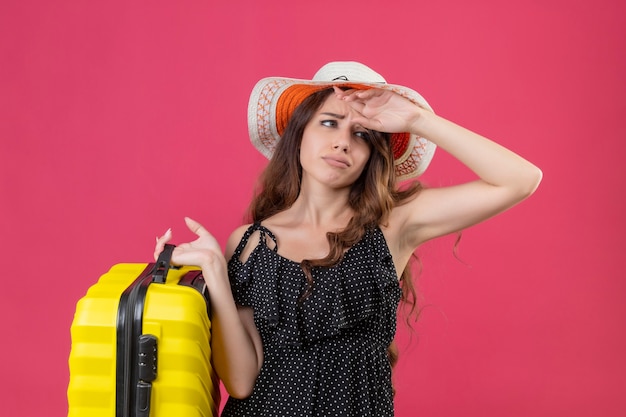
[334, 105]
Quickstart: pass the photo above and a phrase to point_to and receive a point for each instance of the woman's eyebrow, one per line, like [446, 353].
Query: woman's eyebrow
[338, 116]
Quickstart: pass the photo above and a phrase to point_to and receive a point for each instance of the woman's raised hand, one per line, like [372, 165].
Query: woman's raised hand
[382, 110]
[203, 251]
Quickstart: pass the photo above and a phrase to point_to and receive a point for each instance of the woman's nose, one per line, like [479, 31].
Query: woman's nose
[342, 140]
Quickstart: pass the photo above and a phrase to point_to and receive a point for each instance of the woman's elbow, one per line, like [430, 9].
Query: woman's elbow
[241, 386]
[532, 179]
[239, 390]
[523, 184]
[240, 393]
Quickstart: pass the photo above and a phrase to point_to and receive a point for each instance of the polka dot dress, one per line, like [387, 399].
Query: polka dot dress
[326, 355]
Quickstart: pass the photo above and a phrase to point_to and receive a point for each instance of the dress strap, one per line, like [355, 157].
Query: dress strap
[264, 233]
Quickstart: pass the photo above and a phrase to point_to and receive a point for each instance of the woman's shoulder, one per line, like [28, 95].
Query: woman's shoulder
[235, 238]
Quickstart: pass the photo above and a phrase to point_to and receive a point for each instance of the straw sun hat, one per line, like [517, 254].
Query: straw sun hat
[274, 99]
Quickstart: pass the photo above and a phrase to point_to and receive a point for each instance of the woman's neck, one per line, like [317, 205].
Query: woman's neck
[318, 207]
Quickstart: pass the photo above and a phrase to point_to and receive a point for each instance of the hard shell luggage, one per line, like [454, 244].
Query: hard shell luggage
[141, 344]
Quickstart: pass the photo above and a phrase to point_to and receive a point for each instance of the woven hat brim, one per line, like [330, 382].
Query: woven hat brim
[273, 99]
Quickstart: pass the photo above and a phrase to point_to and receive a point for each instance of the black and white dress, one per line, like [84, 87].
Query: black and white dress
[326, 355]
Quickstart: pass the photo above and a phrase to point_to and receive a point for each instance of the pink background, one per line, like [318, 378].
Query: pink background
[118, 118]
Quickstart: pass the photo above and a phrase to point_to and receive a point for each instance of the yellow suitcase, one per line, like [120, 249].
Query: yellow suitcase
[141, 345]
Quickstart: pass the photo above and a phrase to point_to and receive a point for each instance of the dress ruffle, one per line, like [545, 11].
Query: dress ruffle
[351, 297]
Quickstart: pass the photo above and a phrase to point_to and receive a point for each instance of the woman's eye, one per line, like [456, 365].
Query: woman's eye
[329, 123]
[362, 134]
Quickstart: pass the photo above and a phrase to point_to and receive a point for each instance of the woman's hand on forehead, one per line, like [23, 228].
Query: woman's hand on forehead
[381, 110]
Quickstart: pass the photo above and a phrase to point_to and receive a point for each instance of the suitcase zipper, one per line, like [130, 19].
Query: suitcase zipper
[129, 328]
[136, 353]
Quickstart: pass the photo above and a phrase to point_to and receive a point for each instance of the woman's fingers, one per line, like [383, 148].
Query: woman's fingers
[356, 95]
[160, 243]
[366, 103]
[189, 253]
[196, 227]
[203, 251]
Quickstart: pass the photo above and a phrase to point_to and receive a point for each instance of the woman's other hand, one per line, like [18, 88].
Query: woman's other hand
[203, 251]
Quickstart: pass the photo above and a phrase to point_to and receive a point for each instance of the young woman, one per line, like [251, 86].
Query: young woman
[305, 299]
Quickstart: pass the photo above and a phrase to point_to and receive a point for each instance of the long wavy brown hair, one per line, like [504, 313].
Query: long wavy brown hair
[372, 196]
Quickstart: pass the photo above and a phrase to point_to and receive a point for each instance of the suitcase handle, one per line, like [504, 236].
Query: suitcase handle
[163, 263]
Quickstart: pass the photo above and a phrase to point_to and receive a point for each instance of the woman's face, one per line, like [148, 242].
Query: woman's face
[334, 149]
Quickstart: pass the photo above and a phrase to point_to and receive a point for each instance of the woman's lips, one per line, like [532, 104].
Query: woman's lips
[336, 161]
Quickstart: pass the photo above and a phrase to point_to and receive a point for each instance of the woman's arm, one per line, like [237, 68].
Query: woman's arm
[236, 344]
[504, 178]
